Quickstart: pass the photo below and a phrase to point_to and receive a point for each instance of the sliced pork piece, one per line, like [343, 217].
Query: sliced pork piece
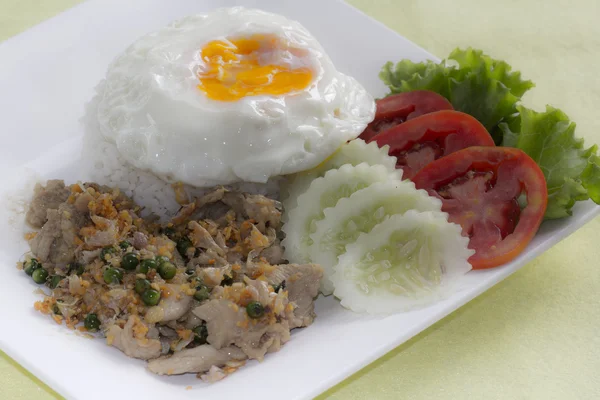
[199, 359]
[302, 285]
[202, 238]
[132, 339]
[82, 202]
[208, 258]
[223, 321]
[235, 257]
[184, 214]
[258, 290]
[191, 321]
[213, 375]
[220, 240]
[263, 210]
[216, 204]
[57, 241]
[215, 212]
[257, 207]
[228, 323]
[213, 276]
[46, 198]
[274, 253]
[88, 256]
[262, 338]
[253, 238]
[106, 234]
[174, 304]
[167, 332]
[208, 206]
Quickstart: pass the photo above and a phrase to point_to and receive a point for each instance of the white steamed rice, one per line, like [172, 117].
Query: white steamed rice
[106, 166]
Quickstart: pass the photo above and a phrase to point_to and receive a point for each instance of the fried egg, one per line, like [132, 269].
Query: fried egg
[234, 95]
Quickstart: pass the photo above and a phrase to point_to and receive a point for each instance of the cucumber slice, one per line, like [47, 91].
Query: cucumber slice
[358, 214]
[354, 153]
[323, 193]
[405, 262]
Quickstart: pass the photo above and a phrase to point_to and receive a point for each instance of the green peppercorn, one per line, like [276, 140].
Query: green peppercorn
[31, 265]
[106, 251]
[39, 275]
[76, 268]
[169, 232]
[279, 287]
[54, 281]
[167, 270]
[124, 245]
[255, 309]
[129, 261]
[151, 297]
[195, 281]
[161, 259]
[200, 334]
[147, 265]
[227, 280]
[141, 285]
[202, 293]
[183, 244]
[91, 322]
[112, 275]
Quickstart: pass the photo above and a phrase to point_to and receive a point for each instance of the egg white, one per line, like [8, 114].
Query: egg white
[151, 107]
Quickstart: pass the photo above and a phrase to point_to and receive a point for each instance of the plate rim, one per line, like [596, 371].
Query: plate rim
[333, 379]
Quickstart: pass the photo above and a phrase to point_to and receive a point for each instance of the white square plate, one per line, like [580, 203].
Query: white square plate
[46, 76]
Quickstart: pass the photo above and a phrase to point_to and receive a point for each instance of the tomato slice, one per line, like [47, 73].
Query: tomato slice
[397, 108]
[422, 140]
[480, 189]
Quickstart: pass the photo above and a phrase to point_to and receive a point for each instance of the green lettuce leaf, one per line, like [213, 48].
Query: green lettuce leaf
[572, 172]
[491, 69]
[478, 85]
[406, 76]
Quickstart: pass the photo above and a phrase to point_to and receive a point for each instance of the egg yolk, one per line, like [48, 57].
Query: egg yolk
[233, 69]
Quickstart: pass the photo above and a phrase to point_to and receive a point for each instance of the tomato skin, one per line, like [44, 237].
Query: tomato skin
[398, 108]
[485, 208]
[422, 140]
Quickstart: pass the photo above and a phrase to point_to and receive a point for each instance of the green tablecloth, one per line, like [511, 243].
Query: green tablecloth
[537, 334]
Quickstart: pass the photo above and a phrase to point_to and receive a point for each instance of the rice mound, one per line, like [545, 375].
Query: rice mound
[104, 165]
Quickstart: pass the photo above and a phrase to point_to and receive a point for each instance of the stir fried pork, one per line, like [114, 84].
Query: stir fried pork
[57, 241]
[301, 283]
[176, 303]
[132, 339]
[199, 294]
[197, 359]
